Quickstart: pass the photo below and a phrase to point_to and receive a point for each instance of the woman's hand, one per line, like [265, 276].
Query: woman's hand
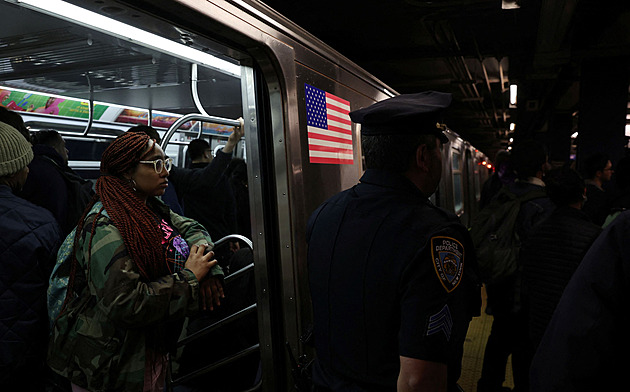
[211, 292]
[199, 263]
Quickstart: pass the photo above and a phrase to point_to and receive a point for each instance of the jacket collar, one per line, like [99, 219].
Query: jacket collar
[388, 179]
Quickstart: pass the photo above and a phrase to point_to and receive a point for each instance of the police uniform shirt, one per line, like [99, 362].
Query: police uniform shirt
[389, 275]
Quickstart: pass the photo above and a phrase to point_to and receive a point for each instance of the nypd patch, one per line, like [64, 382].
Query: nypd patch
[448, 260]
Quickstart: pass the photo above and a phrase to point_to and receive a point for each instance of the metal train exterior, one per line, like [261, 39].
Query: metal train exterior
[266, 62]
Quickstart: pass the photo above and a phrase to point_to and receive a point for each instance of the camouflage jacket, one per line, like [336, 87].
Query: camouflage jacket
[99, 341]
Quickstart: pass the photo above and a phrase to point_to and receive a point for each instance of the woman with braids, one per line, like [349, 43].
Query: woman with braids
[136, 271]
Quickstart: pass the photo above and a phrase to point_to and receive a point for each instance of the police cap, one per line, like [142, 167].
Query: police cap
[419, 113]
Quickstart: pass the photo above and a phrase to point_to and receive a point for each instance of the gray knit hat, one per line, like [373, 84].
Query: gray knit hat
[15, 151]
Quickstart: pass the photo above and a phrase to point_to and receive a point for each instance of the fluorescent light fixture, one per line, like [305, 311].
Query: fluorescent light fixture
[509, 148]
[513, 93]
[83, 17]
[575, 134]
[511, 140]
[512, 126]
[627, 129]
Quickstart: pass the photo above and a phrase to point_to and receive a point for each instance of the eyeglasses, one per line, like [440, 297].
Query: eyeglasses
[159, 164]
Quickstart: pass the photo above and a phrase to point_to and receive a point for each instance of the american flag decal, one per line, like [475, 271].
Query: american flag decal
[329, 128]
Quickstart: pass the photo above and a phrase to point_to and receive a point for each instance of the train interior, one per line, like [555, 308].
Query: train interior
[90, 84]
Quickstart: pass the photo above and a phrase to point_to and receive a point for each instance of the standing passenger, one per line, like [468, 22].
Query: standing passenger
[555, 249]
[597, 171]
[136, 273]
[52, 184]
[204, 189]
[28, 246]
[392, 277]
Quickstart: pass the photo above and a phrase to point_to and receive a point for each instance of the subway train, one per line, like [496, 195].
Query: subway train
[192, 69]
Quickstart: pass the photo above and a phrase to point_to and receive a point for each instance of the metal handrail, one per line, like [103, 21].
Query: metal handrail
[233, 317]
[200, 117]
[216, 365]
[237, 274]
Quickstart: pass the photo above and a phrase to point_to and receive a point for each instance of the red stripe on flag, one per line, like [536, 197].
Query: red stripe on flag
[331, 160]
[337, 108]
[339, 129]
[336, 98]
[329, 138]
[338, 119]
[314, 147]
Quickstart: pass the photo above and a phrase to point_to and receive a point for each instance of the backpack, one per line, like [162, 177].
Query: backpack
[493, 231]
[58, 281]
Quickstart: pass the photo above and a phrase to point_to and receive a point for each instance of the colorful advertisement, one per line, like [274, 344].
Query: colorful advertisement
[21, 101]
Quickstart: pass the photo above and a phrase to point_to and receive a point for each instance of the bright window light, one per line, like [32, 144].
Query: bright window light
[512, 126]
[83, 17]
[513, 89]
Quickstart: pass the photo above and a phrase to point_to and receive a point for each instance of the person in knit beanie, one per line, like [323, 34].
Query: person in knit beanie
[15, 155]
[28, 249]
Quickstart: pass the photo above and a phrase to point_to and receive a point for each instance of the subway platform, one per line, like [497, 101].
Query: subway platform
[474, 347]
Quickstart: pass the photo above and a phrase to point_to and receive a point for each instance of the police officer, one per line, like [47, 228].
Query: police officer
[391, 275]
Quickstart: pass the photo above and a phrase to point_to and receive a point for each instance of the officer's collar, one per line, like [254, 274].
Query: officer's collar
[388, 179]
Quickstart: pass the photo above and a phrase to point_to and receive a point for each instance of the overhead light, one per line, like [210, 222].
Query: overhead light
[575, 135]
[509, 148]
[104, 24]
[510, 4]
[511, 140]
[513, 93]
[512, 126]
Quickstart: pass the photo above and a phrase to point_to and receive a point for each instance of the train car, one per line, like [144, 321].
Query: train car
[192, 68]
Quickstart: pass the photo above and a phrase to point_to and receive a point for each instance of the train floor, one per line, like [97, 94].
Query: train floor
[474, 347]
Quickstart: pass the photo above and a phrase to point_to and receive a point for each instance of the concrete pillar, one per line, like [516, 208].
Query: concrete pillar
[603, 107]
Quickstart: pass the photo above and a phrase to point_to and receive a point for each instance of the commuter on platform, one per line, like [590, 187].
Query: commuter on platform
[597, 171]
[170, 195]
[620, 200]
[137, 270]
[503, 175]
[509, 323]
[555, 249]
[28, 247]
[52, 184]
[392, 277]
[204, 189]
[586, 345]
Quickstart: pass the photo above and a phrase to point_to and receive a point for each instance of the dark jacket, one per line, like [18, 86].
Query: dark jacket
[586, 343]
[597, 205]
[52, 184]
[386, 269]
[505, 296]
[549, 258]
[28, 248]
[206, 195]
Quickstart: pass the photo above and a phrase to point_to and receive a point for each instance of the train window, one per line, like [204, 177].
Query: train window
[458, 186]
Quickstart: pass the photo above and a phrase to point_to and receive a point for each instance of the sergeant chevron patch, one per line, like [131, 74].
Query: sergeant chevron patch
[441, 322]
[448, 260]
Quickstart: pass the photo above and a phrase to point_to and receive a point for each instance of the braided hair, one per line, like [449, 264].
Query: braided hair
[137, 224]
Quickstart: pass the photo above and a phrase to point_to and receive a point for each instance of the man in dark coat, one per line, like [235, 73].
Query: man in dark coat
[509, 325]
[28, 249]
[585, 347]
[598, 170]
[555, 249]
[204, 189]
[52, 184]
[392, 277]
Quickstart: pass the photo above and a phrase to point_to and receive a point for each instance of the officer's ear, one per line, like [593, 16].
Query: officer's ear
[422, 158]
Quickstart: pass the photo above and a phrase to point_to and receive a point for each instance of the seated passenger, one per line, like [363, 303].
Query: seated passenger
[28, 245]
[204, 189]
[52, 184]
[137, 270]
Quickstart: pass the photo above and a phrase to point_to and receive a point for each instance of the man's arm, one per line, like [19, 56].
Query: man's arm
[420, 375]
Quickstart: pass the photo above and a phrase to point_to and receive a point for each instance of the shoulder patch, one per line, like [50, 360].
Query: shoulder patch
[448, 259]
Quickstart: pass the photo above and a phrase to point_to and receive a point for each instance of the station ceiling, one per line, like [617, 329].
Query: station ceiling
[475, 49]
